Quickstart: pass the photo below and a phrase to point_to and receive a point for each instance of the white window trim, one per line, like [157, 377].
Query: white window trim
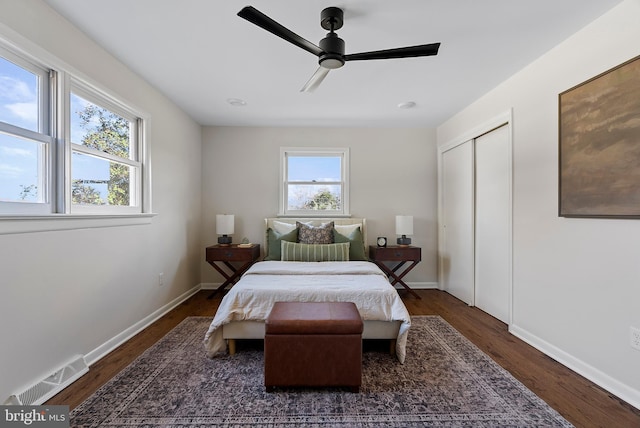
[311, 151]
[10, 225]
[56, 215]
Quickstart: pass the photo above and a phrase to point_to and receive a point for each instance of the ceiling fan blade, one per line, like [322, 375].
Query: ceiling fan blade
[254, 16]
[410, 51]
[315, 80]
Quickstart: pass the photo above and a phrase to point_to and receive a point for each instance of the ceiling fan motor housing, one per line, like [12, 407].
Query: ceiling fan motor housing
[332, 51]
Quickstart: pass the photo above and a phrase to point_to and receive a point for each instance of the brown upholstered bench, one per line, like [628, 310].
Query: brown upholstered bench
[313, 344]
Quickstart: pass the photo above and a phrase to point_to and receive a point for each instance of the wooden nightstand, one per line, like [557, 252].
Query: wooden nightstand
[402, 255]
[218, 256]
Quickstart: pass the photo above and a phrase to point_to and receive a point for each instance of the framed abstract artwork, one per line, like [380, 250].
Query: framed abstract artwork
[599, 145]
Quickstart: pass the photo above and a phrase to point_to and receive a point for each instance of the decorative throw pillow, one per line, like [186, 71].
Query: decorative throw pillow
[273, 242]
[294, 252]
[356, 249]
[347, 229]
[308, 234]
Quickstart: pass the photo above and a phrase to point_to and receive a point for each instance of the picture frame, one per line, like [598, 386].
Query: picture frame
[599, 145]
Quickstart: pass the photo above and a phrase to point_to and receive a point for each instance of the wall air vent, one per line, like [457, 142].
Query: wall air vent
[52, 384]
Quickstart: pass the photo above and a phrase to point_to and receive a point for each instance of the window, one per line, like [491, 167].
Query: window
[314, 182]
[25, 135]
[66, 147]
[105, 170]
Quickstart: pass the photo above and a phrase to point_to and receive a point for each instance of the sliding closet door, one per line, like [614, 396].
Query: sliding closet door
[456, 258]
[493, 223]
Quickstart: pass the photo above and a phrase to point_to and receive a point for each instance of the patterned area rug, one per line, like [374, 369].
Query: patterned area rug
[446, 381]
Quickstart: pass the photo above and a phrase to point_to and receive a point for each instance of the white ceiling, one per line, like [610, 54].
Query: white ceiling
[199, 53]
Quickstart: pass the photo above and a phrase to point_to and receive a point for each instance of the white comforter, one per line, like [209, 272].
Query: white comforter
[271, 281]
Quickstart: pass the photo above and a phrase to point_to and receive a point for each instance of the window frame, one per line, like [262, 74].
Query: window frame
[102, 100]
[44, 136]
[57, 213]
[285, 153]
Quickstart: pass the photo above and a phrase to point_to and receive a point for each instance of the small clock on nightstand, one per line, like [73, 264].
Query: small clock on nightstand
[382, 241]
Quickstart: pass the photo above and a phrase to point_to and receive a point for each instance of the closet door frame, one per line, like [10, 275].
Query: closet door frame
[504, 119]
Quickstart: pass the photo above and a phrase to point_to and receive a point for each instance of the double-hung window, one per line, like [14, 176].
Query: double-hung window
[314, 182]
[25, 136]
[66, 146]
[105, 165]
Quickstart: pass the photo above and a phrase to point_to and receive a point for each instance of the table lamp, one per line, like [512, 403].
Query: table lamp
[224, 227]
[404, 227]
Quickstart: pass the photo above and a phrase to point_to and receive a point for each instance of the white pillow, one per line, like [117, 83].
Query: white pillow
[283, 228]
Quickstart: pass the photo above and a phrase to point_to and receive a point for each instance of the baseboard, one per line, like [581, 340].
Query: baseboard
[111, 344]
[614, 386]
[209, 285]
[421, 285]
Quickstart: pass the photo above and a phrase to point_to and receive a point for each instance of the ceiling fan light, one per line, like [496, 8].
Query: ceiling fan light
[331, 62]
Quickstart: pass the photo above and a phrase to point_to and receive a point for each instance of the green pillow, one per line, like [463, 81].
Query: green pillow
[295, 252]
[273, 242]
[356, 249]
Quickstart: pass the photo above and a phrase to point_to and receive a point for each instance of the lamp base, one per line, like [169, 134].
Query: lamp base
[404, 241]
[224, 241]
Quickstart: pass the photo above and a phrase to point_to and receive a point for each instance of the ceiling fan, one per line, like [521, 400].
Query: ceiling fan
[331, 49]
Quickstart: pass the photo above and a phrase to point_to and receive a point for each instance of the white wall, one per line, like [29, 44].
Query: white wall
[393, 171]
[64, 293]
[576, 281]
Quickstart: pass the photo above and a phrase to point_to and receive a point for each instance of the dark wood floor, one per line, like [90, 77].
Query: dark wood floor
[581, 402]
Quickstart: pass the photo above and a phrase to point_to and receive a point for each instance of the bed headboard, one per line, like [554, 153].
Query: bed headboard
[315, 221]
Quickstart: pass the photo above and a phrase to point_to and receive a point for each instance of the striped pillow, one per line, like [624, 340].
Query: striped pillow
[295, 252]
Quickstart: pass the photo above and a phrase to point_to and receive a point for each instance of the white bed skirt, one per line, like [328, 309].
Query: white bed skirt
[255, 330]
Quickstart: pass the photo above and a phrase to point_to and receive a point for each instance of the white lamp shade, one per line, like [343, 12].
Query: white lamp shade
[404, 225]
[224, 224]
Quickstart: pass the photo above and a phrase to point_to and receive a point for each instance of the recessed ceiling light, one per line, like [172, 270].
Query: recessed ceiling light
[236, 102]
[407, 104]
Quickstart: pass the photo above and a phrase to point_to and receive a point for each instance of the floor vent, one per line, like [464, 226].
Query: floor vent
[51, 385]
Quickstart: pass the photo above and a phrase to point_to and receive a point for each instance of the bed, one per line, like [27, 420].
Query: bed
[285, 275]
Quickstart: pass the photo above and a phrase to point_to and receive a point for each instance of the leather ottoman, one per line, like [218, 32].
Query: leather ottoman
[313, 344]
